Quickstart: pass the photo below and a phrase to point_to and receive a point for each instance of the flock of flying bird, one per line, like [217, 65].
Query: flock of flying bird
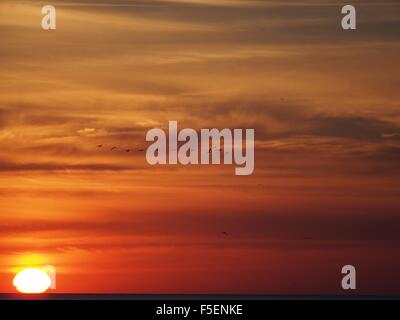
[141, 150]
[113, 148]
[209, 151]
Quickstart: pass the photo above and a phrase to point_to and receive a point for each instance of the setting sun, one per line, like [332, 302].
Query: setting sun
[32, 280]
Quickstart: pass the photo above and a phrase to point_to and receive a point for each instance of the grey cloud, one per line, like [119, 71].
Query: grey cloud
[10, 166]
[372, 226]
[351, 127]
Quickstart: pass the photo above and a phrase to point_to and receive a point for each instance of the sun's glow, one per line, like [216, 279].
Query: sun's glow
[32, 280]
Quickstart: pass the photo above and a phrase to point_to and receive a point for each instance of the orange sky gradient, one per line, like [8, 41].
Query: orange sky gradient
[325, 105]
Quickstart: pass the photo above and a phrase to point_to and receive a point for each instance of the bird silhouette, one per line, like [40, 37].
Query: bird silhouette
[113, 148]
[214, 149]
[127, 150]
[225, 233]
[99, 146]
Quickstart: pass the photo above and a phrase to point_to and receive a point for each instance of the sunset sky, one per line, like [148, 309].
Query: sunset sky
[324, 103]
